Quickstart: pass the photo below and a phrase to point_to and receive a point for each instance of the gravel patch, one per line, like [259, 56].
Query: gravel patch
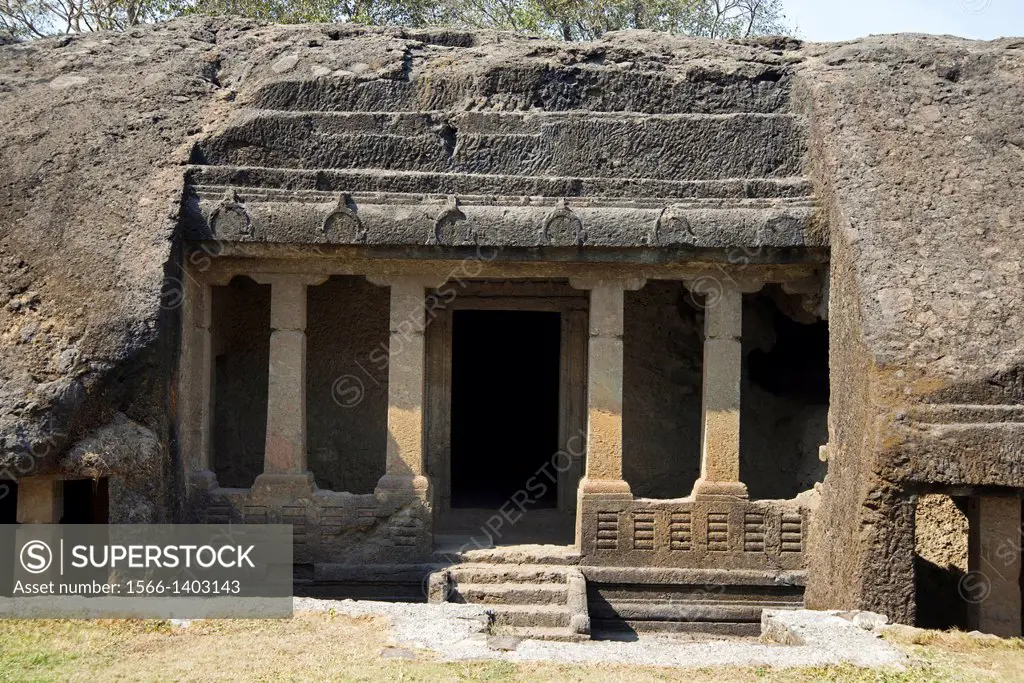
[459, 632]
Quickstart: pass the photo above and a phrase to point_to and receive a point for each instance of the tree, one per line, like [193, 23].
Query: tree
[39, 18]
[562, 19]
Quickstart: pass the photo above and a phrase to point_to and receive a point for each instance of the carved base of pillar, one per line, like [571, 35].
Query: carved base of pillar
[403, 485]
[599, 489]
[202, 480]
[605, 488]
[718, 490]
[40, 500]
[284, 486]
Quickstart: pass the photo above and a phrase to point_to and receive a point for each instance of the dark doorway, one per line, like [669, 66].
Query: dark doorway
[941, 557]
[86, 501]
[504, 406]
[8, 501]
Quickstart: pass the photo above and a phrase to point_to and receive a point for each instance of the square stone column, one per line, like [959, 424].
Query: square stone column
[405, 470]
[720, 403]
[603, 476]
[195, 381]
[992, 585]
[284, 459]
[40, 500]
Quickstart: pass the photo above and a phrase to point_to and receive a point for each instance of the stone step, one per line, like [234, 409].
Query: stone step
[557, 555]
[529, 616]
[684, 612]
[532, 87]
[541, 633]
[511, 593]
[703, 147]
[497, 573]
[628, 628]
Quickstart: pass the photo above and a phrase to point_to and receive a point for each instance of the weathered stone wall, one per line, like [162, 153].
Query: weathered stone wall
[104, 127]
[96, 129]
[917, 149]
[347, 383]
[120, 146]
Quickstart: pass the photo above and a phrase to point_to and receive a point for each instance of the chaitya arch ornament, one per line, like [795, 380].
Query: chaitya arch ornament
[343, 223]
[562, 227]
[230, 218]
[446, 225]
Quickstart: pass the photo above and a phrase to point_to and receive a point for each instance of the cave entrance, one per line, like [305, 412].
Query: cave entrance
[505, 415]
[86, 501]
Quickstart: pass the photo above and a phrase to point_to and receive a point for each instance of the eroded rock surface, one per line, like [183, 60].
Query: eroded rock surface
[903, 155]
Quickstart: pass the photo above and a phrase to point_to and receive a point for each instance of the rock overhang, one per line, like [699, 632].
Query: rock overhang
[506, 142]
[780, 145]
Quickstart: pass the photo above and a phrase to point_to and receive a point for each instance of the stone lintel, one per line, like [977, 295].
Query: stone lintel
[40, 500]
[381, 268]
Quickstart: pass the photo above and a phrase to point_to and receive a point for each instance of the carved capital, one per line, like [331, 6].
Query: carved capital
[804, 285]
[389, 280]
[714, 285]
[627, 284]
[309, 279]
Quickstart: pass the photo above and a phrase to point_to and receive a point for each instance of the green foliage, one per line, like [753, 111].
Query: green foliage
[564, 19]
[582, 20]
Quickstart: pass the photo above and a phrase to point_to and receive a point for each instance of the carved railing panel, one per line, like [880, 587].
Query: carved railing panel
[740, 534]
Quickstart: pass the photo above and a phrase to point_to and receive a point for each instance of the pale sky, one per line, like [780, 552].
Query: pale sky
[821, 20]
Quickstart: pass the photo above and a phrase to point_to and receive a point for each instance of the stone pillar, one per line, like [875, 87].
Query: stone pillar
[405, 473]
[572, 427]
[284, 459]
[994, 564]
[603, 476]
[196, 382]
[40, 500]
[720, 404]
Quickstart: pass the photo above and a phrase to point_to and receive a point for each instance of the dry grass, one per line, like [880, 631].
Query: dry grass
[342, 648]
[972, 658]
